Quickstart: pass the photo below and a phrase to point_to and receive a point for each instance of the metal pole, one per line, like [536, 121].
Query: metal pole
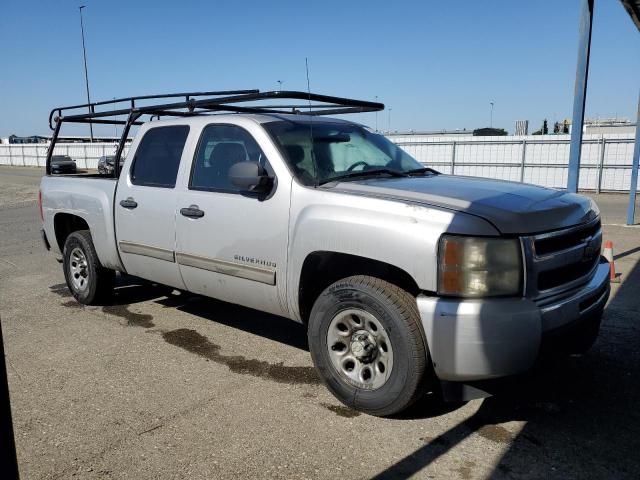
[491, 116]
[86, 75]
[389, 119]
[133, 116]
[522, 163]
[453, 157]
[579, 94]
[631, 210]
[376, 115]
[54, 139]
[603, 145]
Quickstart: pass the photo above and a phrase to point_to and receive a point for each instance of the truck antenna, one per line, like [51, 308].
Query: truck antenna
[313, 155]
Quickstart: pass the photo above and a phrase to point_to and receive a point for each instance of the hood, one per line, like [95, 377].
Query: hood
[513, 208]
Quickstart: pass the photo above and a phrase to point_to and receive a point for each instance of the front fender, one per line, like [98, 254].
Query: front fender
[402, 234]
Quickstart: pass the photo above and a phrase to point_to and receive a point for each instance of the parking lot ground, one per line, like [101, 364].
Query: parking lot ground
[159, 384]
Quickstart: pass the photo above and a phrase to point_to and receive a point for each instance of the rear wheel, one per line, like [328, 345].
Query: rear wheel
[89, 282]
[366, 341]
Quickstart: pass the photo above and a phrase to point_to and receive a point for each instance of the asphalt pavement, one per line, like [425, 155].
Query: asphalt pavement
[159, 384]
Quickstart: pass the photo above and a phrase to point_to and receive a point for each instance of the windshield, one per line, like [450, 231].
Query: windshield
[338, 151]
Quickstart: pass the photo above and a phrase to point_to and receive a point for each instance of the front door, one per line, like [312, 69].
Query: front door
[146, 206]
[230, 245]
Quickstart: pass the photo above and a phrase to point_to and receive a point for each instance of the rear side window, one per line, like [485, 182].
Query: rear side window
[158, 157]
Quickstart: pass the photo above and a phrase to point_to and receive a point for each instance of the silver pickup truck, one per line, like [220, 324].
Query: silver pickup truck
[407, 279]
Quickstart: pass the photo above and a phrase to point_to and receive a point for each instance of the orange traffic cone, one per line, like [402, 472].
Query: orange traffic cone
[608, 254]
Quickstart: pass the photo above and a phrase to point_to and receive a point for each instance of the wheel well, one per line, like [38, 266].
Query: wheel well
[65, 224]
[321, 269]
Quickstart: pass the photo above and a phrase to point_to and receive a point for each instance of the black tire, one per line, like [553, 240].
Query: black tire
[97, 285]
[397, 312]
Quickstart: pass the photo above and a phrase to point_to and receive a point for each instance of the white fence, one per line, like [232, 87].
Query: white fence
[86, 155]
[542, 160]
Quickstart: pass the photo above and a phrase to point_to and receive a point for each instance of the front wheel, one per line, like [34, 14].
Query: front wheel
[89, 282]
[366, 342]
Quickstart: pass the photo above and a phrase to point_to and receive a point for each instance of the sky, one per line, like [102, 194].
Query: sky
[435, 64]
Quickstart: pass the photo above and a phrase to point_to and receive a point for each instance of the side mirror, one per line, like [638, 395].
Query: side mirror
[250, 177]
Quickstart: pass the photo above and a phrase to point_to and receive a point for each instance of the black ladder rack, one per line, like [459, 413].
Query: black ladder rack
[237, 101]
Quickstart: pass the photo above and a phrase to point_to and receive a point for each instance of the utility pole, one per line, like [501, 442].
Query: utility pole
[86, 75]
[376, 116]
[491, 115]
[390, 119]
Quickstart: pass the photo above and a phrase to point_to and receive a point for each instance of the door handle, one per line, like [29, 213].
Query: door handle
[192, 211]
[129, 203]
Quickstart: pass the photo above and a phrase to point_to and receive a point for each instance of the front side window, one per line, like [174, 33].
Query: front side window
[221, 147]
[158, 156]
[319, 152]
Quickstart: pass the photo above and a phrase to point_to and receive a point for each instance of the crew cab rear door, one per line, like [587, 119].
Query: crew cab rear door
[145, 205]
[231, 245]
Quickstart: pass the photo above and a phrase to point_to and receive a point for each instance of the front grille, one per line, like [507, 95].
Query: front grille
[551, 244]
[561, 261]
[568, 273]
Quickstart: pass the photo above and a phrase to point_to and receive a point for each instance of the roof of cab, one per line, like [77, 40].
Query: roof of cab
[256, 117]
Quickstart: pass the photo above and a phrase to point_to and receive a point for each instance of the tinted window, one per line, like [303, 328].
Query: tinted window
[158, 157]
[221, 147]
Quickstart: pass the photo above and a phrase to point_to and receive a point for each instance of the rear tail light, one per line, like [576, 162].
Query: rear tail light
[40, 205]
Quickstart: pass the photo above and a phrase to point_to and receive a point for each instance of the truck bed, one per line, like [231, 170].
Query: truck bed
[89, 197]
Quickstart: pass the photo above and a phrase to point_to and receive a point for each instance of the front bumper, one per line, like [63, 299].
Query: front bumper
[491, 338]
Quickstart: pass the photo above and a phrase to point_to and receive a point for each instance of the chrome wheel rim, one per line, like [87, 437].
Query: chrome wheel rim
[360, 349]
[78, 270]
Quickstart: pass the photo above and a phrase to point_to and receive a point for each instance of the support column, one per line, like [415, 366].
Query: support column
[579, 94]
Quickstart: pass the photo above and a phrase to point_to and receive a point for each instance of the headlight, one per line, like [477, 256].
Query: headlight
[479, 267]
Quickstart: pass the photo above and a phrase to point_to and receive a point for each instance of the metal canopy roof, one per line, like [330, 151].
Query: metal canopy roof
[633, 8]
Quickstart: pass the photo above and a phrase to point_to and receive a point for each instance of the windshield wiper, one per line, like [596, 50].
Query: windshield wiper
[422, 170]
[365, 173]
